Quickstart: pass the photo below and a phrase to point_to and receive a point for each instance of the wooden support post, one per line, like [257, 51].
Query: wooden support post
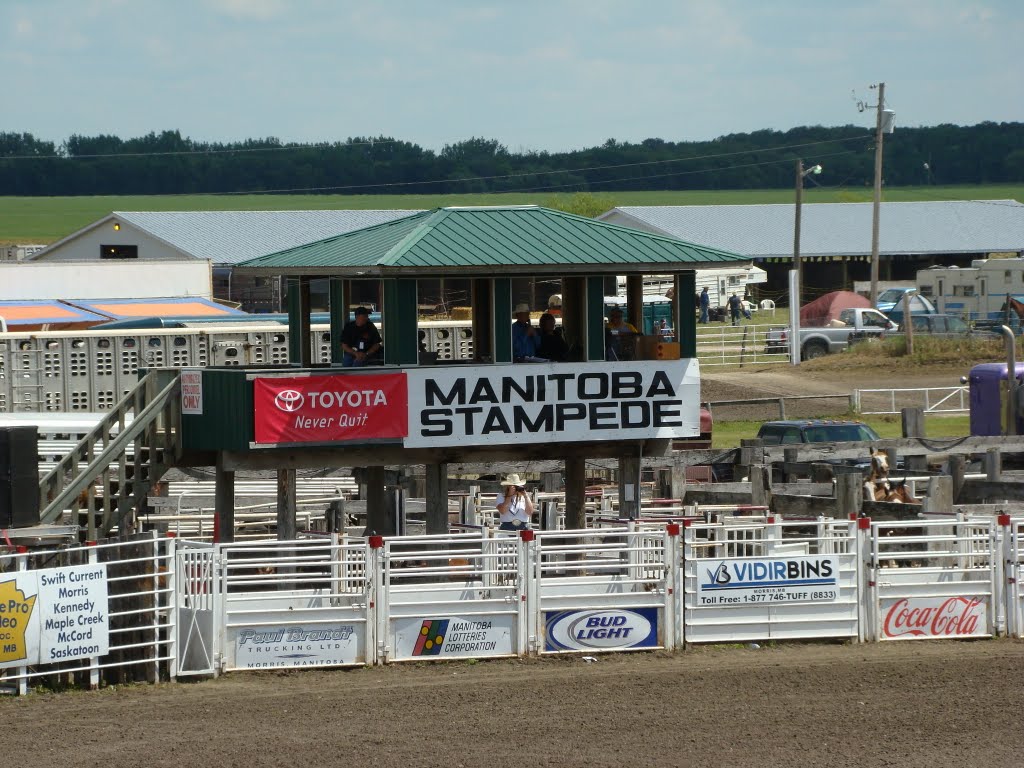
[437, 498]
[751, 452]
[380, 518]
[893, 457]
[629, 487]
[575, 493]
[299, 335]
[849, 494]
[993, 465]
[940, 495]
[483, 320]
[224, 503]
[913, 422]
[957, 465]
[338, 305]
[286, 526]
[551, 482]
[677, 488]
[760, 487]
[790, 456]
[782, 408]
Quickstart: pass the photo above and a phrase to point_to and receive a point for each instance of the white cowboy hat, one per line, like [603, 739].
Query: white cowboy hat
[513, 479]
[521, 308]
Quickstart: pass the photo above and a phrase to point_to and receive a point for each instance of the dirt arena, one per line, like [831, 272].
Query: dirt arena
[897, 704]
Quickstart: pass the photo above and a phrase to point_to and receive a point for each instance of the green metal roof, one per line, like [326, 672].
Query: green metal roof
[510, 239]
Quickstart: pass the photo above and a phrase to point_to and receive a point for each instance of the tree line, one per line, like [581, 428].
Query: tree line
[168, 163]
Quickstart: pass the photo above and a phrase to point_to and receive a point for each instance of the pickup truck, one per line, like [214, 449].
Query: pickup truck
[815, 342]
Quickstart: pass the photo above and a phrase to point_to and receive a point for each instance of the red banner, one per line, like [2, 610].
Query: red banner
[331, 408]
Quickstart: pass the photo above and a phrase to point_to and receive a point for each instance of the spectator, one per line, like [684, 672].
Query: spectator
[705, 304]
[524, 337]
[360, 341]
[620, 337]
[514, 505]
[552, 346]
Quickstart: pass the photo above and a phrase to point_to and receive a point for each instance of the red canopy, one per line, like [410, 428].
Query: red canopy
[820, 311]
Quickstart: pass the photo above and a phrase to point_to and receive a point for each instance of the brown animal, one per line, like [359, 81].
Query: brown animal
[878, 487]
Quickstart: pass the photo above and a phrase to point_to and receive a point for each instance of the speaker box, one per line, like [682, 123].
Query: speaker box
[19, 477]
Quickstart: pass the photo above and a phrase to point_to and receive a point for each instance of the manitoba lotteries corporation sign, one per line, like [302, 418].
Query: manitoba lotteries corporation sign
[482, 405]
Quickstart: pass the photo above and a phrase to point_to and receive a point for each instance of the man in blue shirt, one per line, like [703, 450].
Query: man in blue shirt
[525, 339]
[705, 305]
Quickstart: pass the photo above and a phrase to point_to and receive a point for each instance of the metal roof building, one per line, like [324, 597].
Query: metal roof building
[527, 239]
[223, 237]
[835, 239]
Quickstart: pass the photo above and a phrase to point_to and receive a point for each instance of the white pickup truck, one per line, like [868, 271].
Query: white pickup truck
[815, 342]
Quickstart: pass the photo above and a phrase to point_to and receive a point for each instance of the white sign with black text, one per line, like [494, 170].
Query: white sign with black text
[192, 392]
[492, 405]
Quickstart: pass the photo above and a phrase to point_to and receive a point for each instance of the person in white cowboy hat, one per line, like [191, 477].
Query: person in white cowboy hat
[514, 504]
[525, 338]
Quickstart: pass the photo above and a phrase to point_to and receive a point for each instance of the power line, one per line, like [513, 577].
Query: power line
[382, 185]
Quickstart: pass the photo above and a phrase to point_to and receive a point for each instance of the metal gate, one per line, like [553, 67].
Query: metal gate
[934, 579]
[768, 580]
[198, 608]
[442, 597]
[297, 603]
[603, 590]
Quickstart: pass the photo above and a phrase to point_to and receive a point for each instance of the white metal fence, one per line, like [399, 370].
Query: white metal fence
[738, 345]
[178, 608]
[932, 399]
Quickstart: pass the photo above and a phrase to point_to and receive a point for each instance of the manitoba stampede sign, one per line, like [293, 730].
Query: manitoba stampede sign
[483, 405]
[494, 405]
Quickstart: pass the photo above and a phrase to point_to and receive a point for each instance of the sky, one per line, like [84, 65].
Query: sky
[535, 74]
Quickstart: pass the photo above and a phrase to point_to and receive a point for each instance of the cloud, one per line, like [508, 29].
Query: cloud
[259, 10]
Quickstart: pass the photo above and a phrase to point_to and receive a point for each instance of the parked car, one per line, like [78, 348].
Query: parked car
[941, 326]
[815, 342]
[799, 431]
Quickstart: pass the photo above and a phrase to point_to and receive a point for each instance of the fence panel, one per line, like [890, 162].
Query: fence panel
[603, 590]
[88, 615]
[934, 579]
[442, 597]
[1013, 544]
[738, 345]
[301, 603]
[766, 580]
[198, 597]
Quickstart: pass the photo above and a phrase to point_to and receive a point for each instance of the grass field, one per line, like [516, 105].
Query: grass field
[46, 219]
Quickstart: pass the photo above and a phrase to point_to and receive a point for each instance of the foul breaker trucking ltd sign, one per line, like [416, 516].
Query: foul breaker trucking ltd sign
[496, 404]
[315, 409]
[770, 580]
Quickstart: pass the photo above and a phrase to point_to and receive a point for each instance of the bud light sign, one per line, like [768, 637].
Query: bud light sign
[612, 629]
[772, 580]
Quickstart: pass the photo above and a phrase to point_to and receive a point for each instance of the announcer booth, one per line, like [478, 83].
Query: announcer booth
[412, 408]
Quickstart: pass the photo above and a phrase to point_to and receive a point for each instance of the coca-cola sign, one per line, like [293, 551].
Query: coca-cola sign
[949, 617]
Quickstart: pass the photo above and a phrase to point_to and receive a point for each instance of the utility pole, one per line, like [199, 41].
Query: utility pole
[878, 195]
[796, 230]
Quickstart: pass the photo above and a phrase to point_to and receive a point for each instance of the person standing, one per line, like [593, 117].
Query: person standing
[552, 346]
[360, 340]
[735, 305]
[705, 304]
[524, 336]
[514, 505]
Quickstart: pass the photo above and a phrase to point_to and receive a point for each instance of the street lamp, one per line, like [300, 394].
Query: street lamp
[796, 274]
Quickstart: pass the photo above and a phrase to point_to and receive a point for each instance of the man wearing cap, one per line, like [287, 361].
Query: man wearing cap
[525, 339]
[514, 505]
[360, 340]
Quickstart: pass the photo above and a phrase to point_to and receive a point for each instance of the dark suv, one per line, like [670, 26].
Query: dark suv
[800, 431]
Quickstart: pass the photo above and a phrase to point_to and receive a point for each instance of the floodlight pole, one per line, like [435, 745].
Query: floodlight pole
[878, 195]
[797, 273]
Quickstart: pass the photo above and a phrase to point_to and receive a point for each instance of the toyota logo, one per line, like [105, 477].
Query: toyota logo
[289, 400]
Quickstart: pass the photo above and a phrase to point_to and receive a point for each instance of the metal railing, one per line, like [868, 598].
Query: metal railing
[738, 345]
[932, 399]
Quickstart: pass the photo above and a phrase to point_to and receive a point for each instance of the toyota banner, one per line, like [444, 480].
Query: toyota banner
[331, 408]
